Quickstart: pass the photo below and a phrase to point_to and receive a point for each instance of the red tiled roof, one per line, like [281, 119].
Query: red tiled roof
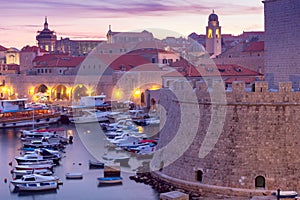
[255, 46]
[188, 70]
[150, 51]
[2, 48]
[122, 62]
[57, 60]
[247, 80]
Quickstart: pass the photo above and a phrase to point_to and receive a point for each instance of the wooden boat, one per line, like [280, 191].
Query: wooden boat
[96, 164]
[110, 180]
[74, 175]
[36, 182]
[13, 113]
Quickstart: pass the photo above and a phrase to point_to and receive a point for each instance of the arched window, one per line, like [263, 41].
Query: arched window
[199, 175]
[260, 182]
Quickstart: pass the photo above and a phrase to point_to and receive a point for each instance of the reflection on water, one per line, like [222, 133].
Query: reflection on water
[75, 160]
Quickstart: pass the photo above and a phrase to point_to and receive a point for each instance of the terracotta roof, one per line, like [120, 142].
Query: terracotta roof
[122, 62]
[57, 60]
[149, 51]
[2, 48]
[188, 70]
[247, 80]
[255, 46]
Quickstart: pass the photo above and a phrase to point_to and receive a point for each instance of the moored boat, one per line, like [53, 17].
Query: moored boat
[74, 175]
[110, 180]
[36, 182]
[96, 164]
[286, 194]
[13, 113]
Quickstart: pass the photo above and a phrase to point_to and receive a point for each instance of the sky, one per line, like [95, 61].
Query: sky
[89, 19]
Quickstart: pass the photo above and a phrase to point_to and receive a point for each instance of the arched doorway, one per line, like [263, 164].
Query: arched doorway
[143, 99]
[199, 175]
[260, 182]
[59, 92]
[41, 89]
[41, 94]
[153, 104]
[79, 91]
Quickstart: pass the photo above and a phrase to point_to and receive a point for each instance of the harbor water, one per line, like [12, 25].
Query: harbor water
[76, 159]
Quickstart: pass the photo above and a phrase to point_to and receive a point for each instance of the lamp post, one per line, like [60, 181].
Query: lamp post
[278, 194]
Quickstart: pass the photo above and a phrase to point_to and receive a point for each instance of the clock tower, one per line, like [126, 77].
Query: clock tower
[213, 36]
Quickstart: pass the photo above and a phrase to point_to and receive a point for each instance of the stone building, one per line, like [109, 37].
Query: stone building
[282, 44]
[46, 38]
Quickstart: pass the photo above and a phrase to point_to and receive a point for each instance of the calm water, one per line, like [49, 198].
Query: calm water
[75, 160]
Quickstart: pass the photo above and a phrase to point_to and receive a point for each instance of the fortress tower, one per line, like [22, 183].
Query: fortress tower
[213, 35]
[282, 44]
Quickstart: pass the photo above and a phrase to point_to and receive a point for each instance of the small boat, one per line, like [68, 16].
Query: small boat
[36, 182]
[286, 194]
[110, 180]
[34, 157]
[74, 175]
[43, 143]
[34, 167]
[118, 159]
[96, 164]
[19, 173]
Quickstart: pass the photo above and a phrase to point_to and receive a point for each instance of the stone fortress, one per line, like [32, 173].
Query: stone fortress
[257, 149]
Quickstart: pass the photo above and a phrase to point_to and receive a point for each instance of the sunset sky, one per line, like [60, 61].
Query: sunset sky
[90, 19]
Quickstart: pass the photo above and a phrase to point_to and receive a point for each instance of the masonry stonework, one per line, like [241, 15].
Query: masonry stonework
[282, 44]
[259, 138]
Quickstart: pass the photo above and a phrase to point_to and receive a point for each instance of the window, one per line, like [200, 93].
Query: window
[38, 71]
[209, 33]
[46, 71]
[42, 71]
[260, 182]
[50, 70]
[199, 175]
[165, 61]
[153, 60]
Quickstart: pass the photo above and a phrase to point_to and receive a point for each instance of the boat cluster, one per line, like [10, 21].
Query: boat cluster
[42, 150]
[125, 135]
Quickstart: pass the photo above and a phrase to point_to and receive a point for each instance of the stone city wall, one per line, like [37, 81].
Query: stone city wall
[260, 136]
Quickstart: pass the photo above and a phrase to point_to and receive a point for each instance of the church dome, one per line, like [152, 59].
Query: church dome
[213, 17]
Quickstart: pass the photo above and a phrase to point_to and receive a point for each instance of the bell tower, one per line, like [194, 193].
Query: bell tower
[213, 36]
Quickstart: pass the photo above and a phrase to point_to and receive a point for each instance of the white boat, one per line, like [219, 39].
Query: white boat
[110, 180]
[74, 175]
[36, 182]
[125, 124]
[19, 173]
[43, 143]
[90, 116]
[43, 156]
[15, 114]
[286, 194]
[34, 167]
[40, 133]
